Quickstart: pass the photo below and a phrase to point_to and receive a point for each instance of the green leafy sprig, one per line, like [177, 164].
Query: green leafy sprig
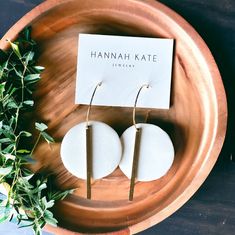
[29, 196]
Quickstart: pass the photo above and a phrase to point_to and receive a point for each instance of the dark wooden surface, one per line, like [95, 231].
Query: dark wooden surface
[211, 210]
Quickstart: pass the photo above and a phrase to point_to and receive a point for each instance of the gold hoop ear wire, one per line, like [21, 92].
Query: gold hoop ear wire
[136, 148]
[136, 99]
[89, 108]
[89, 146]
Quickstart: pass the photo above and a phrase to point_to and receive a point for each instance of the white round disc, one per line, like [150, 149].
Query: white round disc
[156, 152]
[106, 150]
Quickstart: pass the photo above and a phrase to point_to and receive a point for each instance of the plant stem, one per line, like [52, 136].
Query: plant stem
[36, 143]
[22, 93]
[16, 176]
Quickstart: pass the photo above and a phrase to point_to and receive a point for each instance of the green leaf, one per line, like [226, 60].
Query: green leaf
[27, 33]
[40, 126]
[42, 186]
[60, 195]
[31, 83]
[9, 148]
[3, 68]
[11, 90]
[44, 201]
[48, 216]
[5, 171]
[32, 77]
[29, 56]
[29, 91]
[18, 73]
[9, 156]
[29, 102]
[26, 158]
[48, 204]
[15, 48]
[25, 133]
[28, 177]
[37, 229]
[42, 222]
[2, 88]
[12, 105]
[5, 140]
[39, 68]
[26, 171]
[23, 151]
[47, 137]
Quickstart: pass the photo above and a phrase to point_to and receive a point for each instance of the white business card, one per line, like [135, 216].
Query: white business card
[124, 64]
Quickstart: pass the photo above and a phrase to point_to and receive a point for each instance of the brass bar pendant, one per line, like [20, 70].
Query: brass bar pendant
[88, 161]
[135, 163]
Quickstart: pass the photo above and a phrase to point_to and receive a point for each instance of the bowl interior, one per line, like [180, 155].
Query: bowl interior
[191, 120]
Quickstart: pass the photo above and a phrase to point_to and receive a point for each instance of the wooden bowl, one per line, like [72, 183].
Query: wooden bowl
[196, 120]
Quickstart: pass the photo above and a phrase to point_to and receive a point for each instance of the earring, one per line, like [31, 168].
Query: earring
[91, 149]
[148, 152]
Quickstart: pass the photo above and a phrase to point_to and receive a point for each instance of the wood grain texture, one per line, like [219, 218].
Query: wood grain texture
[196, 120]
